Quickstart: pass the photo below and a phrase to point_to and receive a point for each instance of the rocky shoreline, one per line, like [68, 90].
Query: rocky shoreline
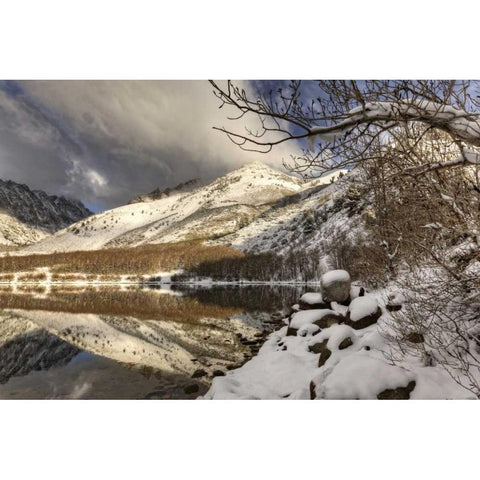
[331, 346]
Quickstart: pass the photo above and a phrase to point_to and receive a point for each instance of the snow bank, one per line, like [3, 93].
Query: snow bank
[273, 374]
[361, 376]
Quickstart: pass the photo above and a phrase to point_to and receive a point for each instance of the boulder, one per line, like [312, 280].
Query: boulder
[199, 373]
[399, 393]
[363, 312]
[218, 373]
[336, 286]
[395, 301]
[322, 318]
[312, 300]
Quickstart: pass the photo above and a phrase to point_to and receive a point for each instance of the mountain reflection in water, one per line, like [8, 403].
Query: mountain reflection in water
[97, 342]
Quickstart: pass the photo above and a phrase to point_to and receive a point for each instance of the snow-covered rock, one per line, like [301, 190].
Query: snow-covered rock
[322, 318]
[312, 300]
[336, 286]
[363, 311]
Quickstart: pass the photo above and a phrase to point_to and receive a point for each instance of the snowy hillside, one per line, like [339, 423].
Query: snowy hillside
[30, 215]
[224, 207]
[305, 220]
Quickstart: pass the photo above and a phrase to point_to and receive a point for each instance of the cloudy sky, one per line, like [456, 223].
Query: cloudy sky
[104, 142]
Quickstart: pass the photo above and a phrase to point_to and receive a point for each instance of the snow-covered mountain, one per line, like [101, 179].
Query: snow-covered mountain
[212, 212]
[27, 216]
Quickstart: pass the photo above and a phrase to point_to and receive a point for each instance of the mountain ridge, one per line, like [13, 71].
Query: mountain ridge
[210, 212]
[30, 215]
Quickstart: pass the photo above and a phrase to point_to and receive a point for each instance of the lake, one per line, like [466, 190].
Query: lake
[131, 342]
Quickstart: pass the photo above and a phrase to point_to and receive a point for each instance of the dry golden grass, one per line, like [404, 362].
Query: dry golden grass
[147, 259]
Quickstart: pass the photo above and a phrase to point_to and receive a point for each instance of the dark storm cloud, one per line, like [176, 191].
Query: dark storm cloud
[106, 141]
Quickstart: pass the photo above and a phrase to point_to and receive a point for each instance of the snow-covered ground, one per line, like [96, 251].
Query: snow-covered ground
[338, 361]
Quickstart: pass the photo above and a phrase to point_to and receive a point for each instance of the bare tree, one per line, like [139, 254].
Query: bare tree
[439, 324]
[409, 138]
[343, 121]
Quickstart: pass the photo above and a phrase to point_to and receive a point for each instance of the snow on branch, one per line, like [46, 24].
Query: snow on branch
[463, 125]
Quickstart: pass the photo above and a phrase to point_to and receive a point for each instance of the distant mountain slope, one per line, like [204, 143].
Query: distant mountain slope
[221, 208]
[29, 215]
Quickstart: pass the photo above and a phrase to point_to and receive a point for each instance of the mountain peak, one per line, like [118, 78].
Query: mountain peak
[255, 165]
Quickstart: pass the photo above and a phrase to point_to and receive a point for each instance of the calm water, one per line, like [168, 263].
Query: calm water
[130, 343]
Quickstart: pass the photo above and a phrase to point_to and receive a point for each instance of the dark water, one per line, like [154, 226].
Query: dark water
[130, 343]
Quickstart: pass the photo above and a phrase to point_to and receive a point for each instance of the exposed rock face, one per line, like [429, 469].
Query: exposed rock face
[400, 393]
[159, 193]
[189, 389]
[336, 286]
[39, 210]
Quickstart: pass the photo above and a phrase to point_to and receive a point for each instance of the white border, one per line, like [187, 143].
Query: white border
[249, 39]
